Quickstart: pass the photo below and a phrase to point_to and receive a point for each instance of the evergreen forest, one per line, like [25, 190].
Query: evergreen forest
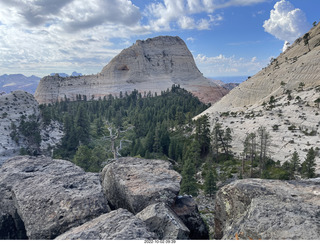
[161, 127]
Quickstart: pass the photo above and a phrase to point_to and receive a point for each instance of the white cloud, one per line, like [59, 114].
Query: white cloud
[9, 84]
[286, 22]
[44, 36]
[169, 13]
[222, 65]
[191, 39]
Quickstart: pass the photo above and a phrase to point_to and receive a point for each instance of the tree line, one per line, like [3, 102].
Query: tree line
[161, 127]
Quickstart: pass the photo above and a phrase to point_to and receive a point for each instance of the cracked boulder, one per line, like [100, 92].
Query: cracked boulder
[268, 210]
[42, 198]
[116, 225]
[164, 222]
[135, 183]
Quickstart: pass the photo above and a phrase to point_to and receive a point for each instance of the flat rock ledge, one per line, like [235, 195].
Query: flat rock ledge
[116, 225]
[134, 183]
[42, 198]
[268, 210]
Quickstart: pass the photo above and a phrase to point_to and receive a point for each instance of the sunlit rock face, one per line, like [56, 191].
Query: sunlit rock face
[152, 65]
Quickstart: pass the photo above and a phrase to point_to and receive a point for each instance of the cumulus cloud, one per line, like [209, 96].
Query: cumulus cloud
[182, 13]
[167, 14]
[41, 35]
[221, 65]
[286, 22]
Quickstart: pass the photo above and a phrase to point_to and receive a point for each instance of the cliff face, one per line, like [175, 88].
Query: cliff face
[151, 65]
[300, 63]
[17, 108]
[282, 96]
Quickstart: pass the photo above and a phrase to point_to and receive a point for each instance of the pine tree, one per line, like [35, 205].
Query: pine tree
[264, 143]
[203, 134]
[308, 166]
[250, 149]
[188, 184]
[227, 140]
[82, 124]
[295, 162]
[83, 157]
[209, 183]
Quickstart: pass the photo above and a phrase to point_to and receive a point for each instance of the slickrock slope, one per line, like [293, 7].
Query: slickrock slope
[151, 65]
[15, 107]
[268, 210]
[296, 65]
[282, 98]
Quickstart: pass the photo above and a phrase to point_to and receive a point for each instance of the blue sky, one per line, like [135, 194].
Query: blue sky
[226, 37]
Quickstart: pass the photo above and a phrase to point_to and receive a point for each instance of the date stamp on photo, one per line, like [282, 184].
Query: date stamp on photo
[159, 241]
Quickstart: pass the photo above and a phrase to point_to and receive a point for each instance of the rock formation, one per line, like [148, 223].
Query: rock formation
[187, 210]
[16, 107]
[116, 225]
[298, 64]
[134, 183]
[268, 210]
[12, 107]
[281, 96]
[164, 222]
[151, 65]
[42, 198]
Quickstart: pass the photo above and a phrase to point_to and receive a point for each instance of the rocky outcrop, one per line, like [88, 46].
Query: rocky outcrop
[268, 209]
[281, 96]
[12, 107]
[298, 64]
[44, 198]
[116, 225]
[21, 106]
[151, 65]
[134, 183]
[161, 220]
[187, 210]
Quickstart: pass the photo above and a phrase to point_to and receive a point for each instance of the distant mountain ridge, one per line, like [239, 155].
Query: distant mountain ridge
[151, 65]
[15, 82]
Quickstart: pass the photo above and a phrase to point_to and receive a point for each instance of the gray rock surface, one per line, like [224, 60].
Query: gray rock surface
[161, 220]
[12, 107]
[187, 210]
[152, 65]
[134, 183]
[48, 196]
[116, 225]
[294, 66]
[268, 209]
[249, 103]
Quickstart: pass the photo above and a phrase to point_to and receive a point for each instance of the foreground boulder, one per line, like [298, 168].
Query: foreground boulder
[186, 208]
[44, 198]
[164, 222]
[134, 183]
[116, 225]
[268, 209]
